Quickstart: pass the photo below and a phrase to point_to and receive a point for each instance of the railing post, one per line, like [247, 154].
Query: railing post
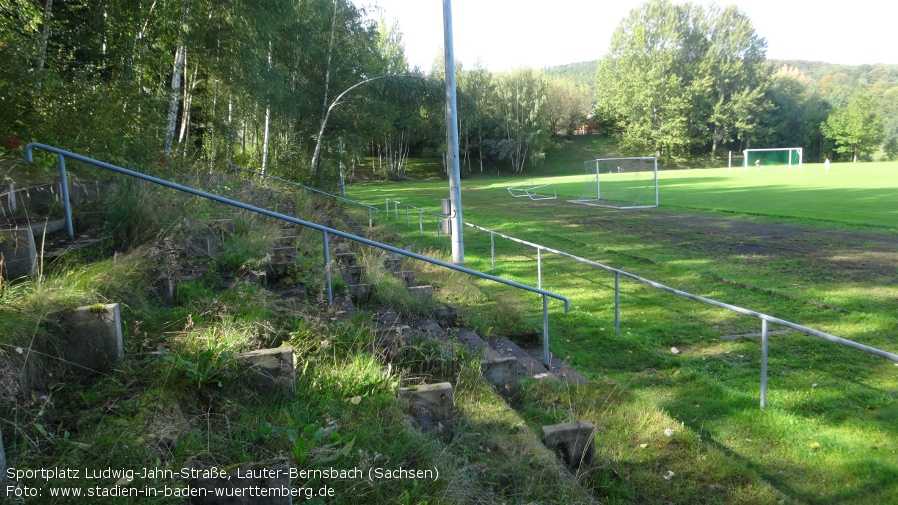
[764, 342]
[370, 220]
[493, 250]
[387, 208]
[547, 355]
[539, 267]
[327, 270]
[617, 303]
[421, 220]
[64, 188]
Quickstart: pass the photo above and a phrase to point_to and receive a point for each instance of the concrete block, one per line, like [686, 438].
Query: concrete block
[287, 227]
[85, 220]
[387, 317]
[432, 406]
[8, 204]
[347, 259]
[82, 191]
[263, 483]
[283, 259]
[341, 248]
[391, 337]
[425, 292]
[258, 277]
[288, 209]
[284, 254]
[43, 197]
[281, 269]
[446, 315]
[501, 372]
[352, 275]
[288, 241]
[222, 228]
[572, 441]
[41, 228]
[17, 253]
[198, 247]
[92, 335]
[397, 256]
[407, 277]
[393, 265]
[361, 293]
[272, 369]
[166, 287]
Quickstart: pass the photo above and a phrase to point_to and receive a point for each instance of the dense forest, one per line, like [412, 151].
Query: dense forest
[296, 86]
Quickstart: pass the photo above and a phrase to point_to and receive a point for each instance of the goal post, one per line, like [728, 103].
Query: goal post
[773, 157]
[620, 183]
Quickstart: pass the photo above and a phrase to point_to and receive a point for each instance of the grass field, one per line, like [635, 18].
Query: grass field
[815, 248]
[855, 194]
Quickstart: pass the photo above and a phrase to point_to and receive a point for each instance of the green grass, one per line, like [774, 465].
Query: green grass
[827, 436]
[179, 399]
[828, 433]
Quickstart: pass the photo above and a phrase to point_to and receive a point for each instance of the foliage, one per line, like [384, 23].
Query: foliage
[856, 127]
[522, 130]
[204, 368]
[796, 115]
[567, 106]
[678, 77]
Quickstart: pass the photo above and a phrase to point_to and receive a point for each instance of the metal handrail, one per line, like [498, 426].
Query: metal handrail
[765, 319]
[326, 231]
[306, 188]
[421, 212]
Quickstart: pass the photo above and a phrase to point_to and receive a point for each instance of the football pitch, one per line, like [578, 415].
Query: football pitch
[812, 247]
[849, 193]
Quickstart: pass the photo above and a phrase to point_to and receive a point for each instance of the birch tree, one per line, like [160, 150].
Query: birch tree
[521, 98]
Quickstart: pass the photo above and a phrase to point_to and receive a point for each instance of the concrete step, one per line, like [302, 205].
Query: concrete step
[531, 366]
[559, 367]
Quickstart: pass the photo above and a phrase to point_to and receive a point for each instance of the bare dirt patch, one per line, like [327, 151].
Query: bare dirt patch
[840, 255]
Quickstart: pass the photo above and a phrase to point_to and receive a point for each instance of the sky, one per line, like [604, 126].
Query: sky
[506, 34]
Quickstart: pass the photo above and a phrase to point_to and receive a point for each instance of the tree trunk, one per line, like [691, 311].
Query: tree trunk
[212, 129]
[174, 97]
[45, 36]
[185, 113]
[229, 133]
[267, 120]
[265, 139]
[316, 157]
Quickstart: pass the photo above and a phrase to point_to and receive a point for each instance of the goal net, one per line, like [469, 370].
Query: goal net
[788, 157]
[620, 183]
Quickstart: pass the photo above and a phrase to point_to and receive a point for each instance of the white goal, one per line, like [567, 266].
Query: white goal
[789, 157]
[620, 183]
[534, 191]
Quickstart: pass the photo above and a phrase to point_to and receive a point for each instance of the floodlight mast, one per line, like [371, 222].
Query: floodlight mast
[458, 249]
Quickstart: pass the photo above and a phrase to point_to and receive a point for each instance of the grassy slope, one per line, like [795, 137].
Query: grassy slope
[828, 433]
[178, 401]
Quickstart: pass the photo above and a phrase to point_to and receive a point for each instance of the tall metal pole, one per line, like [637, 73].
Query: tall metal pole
[458, 247]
